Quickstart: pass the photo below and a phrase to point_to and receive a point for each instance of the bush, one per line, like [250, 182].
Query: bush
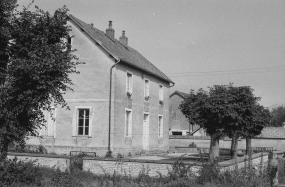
[16, 171]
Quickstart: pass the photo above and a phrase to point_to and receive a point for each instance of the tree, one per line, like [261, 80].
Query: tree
[225, 110]
[260, 117]
[211, 111]
[278, 116]
[36, 72]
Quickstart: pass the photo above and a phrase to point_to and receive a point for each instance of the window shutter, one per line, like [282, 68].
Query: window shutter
[131, 124]
[90, 122]
[161, 127]
[74, 122]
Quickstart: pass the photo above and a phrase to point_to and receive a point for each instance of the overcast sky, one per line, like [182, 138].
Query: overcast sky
[198, 43]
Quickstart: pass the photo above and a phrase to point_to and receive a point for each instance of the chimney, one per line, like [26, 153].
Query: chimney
[124, 39]
[110, 31]
[92, 25]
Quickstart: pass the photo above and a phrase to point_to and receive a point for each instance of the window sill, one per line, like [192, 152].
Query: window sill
[47, 137]
[82, 137]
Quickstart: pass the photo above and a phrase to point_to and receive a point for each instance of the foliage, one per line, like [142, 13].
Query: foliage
[19, 173]
[226, 110]
[14, 171]
[36, 72]
[278, 116]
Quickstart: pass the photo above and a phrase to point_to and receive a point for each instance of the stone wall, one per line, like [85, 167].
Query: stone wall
[204, 142]
[129, 167]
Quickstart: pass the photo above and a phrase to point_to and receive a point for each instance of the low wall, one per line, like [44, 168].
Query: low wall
[129, 167]
[204, 141]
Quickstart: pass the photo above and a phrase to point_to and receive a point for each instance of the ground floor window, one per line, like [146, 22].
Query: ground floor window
[83, 121]
[128, 123]
[160, 126]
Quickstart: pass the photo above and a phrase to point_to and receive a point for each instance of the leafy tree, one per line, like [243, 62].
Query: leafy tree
[278, 116]
[225, 111]
[36, 72]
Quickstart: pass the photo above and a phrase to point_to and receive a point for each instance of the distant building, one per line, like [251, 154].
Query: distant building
[178, 124]
[139, 103]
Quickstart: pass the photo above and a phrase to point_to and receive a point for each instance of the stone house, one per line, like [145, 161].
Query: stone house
[178, 124]
[139, 104]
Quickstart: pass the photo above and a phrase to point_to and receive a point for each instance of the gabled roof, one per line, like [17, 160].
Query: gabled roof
[118, 50]
[181, 94]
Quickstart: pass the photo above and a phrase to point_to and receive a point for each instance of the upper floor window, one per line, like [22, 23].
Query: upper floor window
[83, 122]
[160, 93]
[128, 123]
[129, 88]
[160, 126]
[146, 90]
[69, 43]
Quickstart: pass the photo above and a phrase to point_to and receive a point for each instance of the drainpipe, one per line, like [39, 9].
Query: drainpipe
[110, 105]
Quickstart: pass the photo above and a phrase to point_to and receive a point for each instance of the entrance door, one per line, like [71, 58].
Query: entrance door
[145, 131]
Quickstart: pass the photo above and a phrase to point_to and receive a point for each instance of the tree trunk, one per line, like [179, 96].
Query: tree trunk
[214, 148]
[248, 146]
[234, 146]
[248, 150]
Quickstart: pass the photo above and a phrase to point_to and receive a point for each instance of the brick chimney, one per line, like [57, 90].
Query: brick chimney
[124, 39]
[110, 31]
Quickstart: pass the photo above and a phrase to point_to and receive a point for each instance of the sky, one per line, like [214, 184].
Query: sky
[198, 43]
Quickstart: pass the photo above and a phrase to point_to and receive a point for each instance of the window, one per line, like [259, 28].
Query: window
[83, 122]
[49, 128]
[161, 94]
[128, 123]
[69, 40]
[146, 90]
[160, 126]
[129, 83]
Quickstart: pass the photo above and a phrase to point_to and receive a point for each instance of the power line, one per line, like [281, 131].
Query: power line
[228, 72]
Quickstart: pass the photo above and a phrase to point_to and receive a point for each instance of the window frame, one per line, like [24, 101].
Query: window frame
[75, 131]
[129, 124]
[129, 87]
[160, 92]
[44, 132]
[146, 92]
[160, 126]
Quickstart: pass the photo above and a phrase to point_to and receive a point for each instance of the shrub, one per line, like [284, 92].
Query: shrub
[17, 171]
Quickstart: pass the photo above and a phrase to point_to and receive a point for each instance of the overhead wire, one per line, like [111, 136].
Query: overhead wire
[228, 72]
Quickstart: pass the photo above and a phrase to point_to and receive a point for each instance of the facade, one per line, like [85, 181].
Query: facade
[139, 102]
[178, 124]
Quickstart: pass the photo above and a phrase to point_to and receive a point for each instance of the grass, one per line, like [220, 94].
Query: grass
[18, 173]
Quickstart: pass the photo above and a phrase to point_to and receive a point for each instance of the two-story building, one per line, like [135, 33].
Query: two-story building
[135, 118]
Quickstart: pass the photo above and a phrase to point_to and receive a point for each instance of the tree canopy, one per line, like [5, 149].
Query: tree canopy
[36, 72]
[278, 116]
[226, 110]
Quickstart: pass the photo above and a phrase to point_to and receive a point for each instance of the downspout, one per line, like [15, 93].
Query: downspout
[110, 106]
